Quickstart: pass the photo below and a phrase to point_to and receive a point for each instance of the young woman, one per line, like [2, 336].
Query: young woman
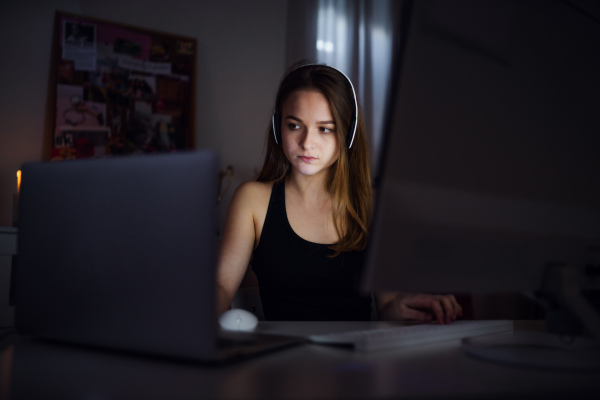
[303, 224]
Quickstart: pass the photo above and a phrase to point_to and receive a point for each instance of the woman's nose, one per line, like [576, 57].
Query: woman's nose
[307, 139]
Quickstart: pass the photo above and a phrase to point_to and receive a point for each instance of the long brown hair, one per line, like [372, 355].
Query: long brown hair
[349, 179]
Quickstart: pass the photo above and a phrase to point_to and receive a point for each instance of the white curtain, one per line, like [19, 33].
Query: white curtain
[359, 37]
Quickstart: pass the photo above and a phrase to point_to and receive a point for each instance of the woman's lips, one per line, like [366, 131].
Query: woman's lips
[307, 159]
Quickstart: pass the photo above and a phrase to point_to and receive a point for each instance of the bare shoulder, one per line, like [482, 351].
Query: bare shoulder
[253, 192]
[251, 199]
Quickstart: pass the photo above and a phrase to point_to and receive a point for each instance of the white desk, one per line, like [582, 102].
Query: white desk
[32, 369]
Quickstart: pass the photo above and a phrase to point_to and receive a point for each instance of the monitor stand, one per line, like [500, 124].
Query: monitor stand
[572, 339]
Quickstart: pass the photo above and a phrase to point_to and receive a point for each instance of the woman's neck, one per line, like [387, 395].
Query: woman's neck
[309, 189]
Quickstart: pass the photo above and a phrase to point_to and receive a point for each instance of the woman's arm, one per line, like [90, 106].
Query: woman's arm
[237, 243]
[419, 307]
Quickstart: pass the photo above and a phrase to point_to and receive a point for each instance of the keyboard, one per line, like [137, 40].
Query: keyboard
[412, 335]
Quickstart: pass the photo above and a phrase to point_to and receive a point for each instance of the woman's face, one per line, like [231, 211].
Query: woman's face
[308, 132]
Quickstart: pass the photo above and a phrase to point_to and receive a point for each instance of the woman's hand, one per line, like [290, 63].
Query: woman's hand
[421, 307]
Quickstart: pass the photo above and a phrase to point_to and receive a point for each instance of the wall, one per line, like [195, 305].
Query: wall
[241, 53]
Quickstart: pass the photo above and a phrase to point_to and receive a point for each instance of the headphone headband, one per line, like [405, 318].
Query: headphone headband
[276, 120]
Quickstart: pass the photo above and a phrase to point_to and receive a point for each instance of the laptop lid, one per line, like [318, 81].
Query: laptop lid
[120, 252]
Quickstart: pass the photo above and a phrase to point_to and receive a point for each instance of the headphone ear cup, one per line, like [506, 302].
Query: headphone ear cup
[276, 121]
[351, 131]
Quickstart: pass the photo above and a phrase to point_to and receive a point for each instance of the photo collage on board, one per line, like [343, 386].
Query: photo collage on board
[121, 90]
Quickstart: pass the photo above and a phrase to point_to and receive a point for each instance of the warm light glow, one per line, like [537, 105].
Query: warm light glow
[18, 181]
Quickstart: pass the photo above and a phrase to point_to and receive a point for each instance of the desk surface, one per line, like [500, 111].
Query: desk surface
[35, 369]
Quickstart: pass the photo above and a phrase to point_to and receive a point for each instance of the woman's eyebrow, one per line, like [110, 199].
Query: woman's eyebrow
[318, 122]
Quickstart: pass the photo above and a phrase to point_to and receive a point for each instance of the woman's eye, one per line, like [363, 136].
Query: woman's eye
[293, 127]
[326, 130]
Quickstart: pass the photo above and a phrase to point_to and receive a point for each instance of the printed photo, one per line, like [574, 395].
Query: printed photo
[75, 143]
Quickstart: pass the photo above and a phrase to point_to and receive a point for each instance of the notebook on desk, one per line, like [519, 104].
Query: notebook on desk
[121, 253]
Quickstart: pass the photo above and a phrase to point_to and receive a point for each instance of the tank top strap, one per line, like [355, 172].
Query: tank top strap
[276, 214]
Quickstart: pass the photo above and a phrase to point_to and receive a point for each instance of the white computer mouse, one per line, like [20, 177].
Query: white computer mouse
[237, 319]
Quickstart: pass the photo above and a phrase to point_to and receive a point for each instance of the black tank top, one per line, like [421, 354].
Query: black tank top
[297, 280]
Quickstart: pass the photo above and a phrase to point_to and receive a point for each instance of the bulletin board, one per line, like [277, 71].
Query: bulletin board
[121, 89]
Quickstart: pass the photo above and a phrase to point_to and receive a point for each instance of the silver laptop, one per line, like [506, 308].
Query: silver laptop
[121, 253]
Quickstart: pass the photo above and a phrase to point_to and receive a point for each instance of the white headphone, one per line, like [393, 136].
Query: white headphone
[276, 119]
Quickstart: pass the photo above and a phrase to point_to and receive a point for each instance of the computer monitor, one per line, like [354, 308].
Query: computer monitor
[490, 175]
